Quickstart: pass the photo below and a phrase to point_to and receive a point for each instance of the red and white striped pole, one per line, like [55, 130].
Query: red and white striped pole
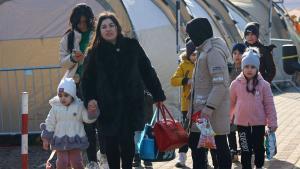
[24, 144]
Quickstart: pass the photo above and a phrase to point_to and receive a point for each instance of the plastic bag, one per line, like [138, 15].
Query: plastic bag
[207, 136]
[270, 144]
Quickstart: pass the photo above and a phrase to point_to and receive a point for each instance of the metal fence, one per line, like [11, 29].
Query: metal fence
[40, 82]
[281, 75]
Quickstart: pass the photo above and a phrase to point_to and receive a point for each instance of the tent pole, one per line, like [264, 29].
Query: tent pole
[177, 25]
[177, 44]
[270, 21]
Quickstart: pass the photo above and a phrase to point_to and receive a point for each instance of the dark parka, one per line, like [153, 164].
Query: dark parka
[115, 76]
[267, 66]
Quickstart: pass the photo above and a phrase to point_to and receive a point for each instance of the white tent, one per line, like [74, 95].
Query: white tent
[157, 36]
[30, 31]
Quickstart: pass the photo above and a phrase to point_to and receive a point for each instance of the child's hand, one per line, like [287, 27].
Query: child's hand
[92, 106]
[45, 144]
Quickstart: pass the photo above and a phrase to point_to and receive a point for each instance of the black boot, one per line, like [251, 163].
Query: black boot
[234, 156]
[147, 164]
[136, 161]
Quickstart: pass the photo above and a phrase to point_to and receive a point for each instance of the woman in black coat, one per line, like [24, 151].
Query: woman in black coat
[116, 71]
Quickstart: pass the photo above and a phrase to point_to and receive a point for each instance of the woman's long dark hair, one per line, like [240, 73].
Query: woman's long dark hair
[98, 38]
[254, 83]
[81, 9]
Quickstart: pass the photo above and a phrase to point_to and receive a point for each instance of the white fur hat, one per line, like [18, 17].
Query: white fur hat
[67, 85]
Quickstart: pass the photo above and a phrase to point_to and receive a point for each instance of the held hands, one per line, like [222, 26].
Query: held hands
[92, 107]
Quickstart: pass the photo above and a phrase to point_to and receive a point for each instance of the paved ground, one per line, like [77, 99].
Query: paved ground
[288, 138]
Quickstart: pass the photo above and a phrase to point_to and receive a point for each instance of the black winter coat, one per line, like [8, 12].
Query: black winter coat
[115, 76]
[267, 66]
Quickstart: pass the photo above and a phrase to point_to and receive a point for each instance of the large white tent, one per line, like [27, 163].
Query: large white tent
[30, 31]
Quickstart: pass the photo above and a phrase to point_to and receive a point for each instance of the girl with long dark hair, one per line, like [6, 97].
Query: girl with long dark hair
[73, 46]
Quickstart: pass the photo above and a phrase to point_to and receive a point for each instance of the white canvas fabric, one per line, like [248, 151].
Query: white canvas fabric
[30, 19]
[157, 37]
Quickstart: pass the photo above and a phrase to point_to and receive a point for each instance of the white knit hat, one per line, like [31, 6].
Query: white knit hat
[67, 85]
[251, 57]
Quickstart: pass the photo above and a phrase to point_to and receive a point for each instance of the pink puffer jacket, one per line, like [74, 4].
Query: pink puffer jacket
[249, 109]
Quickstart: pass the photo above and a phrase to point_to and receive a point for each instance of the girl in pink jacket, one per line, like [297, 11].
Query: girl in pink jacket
[252, 105]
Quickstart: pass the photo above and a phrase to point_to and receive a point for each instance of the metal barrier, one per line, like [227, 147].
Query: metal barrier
[40, 82]
[281, 76]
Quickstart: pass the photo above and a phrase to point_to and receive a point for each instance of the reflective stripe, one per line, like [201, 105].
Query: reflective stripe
[218, 79]
[200, 99]
[289, 57]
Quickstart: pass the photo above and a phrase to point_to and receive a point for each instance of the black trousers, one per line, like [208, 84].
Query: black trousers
[213, 153]
[91, 134]
[252, 138]
[232, 141]
[199, 155]
[185, 148]
[121, 146]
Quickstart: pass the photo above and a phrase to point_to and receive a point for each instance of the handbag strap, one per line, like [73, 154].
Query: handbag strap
[154, 115]
[162, 112]
[166, 110]
[151, 123]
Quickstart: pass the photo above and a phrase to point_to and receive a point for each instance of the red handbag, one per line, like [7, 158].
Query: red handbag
[169, 134]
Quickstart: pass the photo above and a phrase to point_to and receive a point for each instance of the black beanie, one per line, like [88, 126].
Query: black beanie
[252, 27]
[199, 30]
[240, 47]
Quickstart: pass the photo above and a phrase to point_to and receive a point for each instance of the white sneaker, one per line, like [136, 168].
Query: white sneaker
[92, 165]
[102, 160]
[181, 160]
[98, 155]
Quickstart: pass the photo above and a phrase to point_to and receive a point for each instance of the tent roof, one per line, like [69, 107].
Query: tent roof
[147, 20]
[30, 19]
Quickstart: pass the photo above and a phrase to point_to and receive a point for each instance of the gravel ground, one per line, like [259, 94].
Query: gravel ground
[11, 157]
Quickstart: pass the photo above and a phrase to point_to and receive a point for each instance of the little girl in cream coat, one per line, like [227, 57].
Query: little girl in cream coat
[63, 128]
